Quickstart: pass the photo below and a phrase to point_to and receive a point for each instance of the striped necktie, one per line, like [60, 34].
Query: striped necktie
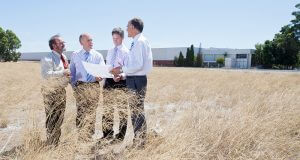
[113, 59]
[89, 77]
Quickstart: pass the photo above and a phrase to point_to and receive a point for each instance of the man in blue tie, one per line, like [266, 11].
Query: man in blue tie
[136, 67]
[86, 87]
[115, 58]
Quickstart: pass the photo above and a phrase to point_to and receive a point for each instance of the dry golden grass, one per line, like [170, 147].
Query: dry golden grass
[3, 120]
[197, 113]
[3, 123]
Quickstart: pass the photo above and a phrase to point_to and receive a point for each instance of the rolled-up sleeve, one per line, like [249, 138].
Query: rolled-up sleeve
[47, 69]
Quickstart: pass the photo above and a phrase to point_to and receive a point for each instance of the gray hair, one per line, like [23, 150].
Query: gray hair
[83, 35]
[52, 40]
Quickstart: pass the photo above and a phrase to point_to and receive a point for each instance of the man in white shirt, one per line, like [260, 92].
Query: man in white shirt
[55, 73]
[115, 58]
[136, 67]
[86, 87]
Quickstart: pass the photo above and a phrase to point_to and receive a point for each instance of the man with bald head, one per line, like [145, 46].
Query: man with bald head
[86, 87]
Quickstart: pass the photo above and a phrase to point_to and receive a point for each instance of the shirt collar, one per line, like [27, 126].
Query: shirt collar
[120, 46]
[136, 37]
[56, 54]
[84, 51]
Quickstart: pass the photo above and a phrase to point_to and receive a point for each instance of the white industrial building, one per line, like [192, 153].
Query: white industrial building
[234, 58]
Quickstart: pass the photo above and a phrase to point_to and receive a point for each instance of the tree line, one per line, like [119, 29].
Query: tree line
[194, 61]
[283, 52]
[190, 60]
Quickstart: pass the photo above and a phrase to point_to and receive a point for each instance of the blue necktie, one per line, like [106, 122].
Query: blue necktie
[89, 77]
[131, 45]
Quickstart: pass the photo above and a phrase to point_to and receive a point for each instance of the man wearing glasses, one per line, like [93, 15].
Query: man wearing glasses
[55, 74]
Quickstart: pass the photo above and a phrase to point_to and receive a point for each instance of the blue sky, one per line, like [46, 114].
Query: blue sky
[168, 23]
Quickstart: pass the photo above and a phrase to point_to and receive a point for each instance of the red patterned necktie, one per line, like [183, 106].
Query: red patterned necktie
[64, 61]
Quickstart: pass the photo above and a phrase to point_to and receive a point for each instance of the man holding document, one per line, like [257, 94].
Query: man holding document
[136, 67]
[86, 87]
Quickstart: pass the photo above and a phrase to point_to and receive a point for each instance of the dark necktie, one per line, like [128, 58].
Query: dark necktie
[64, 61]
[131, 45]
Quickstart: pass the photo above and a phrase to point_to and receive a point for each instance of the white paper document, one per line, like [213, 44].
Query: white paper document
[97, 70]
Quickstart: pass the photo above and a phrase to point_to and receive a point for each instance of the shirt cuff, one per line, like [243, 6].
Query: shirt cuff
[57, 73]
[110, 67]
[123, 76]
[125, 69]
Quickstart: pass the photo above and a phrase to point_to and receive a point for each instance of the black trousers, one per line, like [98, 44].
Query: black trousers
[114, 96]
[137, 86]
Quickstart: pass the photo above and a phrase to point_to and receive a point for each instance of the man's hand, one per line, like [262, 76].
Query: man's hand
[117, 78]
[67, 73]
[116, 71]
[99, 79]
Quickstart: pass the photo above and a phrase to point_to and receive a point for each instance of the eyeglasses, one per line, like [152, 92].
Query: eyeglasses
[60, 43]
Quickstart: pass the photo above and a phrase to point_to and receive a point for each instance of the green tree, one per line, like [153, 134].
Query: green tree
[225, 54]
[187, 57]
[283, 51]
[287, 48]
[3, 43]
[220, 61]
[190, 57]
[298, 65]
[296, 22]
[296, 27]
[9, 43]
[175, 61]
[257, 56]
[267, 55]
[180, 60]
[199, 60]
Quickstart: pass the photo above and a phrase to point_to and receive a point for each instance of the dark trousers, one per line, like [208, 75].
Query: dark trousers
[87, 98]
[55, 105]
[114, 97]
[137, 86]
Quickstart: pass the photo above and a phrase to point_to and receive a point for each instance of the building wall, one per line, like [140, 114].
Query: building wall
[164, 56]
[163, 63]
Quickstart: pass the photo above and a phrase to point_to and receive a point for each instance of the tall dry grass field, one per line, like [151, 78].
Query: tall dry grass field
[191, 114]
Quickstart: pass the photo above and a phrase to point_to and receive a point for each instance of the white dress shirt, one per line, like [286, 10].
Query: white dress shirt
[78, 73]
[52, 68]
[139, 60]
[116, 56]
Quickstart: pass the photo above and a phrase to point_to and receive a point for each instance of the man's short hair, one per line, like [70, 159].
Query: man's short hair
[137, 23]
[52, 40]
[80, 37]
[118, 31]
